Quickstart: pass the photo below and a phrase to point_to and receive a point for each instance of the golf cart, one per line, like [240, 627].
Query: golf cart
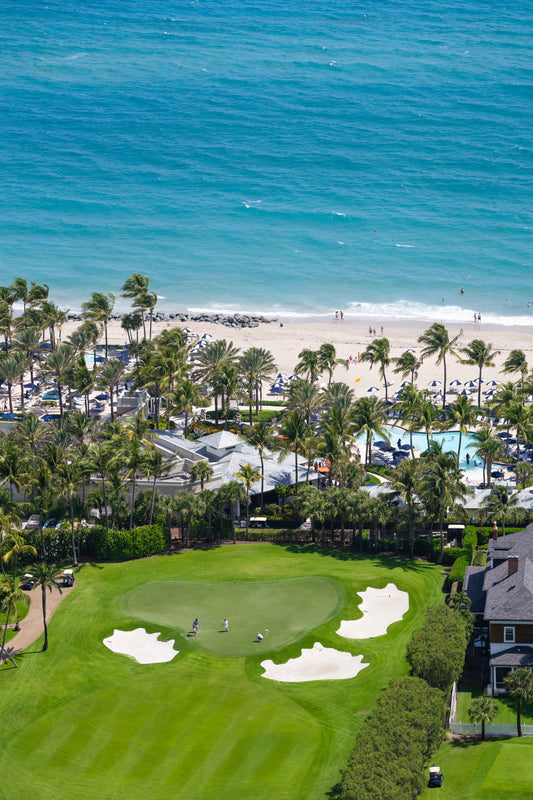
[435, 777]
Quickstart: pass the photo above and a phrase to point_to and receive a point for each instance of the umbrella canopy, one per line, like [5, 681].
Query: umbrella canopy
[493, 383]
[456, 383]
[411, 351]
[471, 384]
[8, 415]
[435, 383]
[405, 383]
[373, 389]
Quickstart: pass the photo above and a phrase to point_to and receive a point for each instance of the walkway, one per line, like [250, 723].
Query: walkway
[32, 626]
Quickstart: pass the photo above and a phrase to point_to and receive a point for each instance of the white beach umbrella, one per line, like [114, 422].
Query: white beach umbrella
[411, 351]
[405, 383]
[471, 384]
[493, 383]
[390, 383]
[373, 389]
[435, 383]
[456, 383]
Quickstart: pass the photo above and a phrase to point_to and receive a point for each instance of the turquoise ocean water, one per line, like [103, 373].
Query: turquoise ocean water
[265, 156]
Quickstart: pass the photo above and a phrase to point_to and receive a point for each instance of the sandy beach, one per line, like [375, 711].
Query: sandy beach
[351, 338]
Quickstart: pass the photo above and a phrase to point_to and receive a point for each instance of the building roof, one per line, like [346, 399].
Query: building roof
[473, 586]
[517, 656]
[222, 440]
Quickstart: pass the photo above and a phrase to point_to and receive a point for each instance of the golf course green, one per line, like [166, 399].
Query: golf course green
[84, 721]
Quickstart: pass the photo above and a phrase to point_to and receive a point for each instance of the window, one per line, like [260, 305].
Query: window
[508, 634]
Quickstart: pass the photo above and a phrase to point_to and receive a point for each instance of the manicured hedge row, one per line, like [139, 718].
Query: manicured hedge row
[436, 652]
[394, 743]
[124, 545]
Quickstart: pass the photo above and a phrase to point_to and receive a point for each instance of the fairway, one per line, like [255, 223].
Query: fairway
[83, 721]
[497, 769]
[280, 610]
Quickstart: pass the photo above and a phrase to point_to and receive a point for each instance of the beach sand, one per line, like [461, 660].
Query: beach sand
[351, 338]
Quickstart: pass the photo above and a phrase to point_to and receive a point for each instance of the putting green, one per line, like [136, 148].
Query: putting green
[280, 610]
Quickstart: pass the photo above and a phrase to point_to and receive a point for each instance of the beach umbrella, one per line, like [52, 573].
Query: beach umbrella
[411, 351]
[435, 383]
[405, 383]
[390, 383]
[373, 389]
[471, 384]
[493, 383]
[456, 383]
[9, 415]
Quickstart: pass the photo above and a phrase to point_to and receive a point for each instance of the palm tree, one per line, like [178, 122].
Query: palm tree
[305, 397]
[327, 359]
[201, 471]
[12, 369]
[500, 501]
[248, 475]
[19, 288]
[261, 437]
[404, 483]
[488, 447]
[31, 432]
[293, 433]
[69, 481]
[156, 467]
[370, 418]
[441, 485]
[438, 343]
[131, 324]
[409, 405]
[338, 416]
[10, 594]
[59, 363]
[109, 376]
[134, 287]
[255, 365]
[146, 302]
[516, 362]
[27, 341]
[483, 709]
[186, 396]
[232, 494]
[46, 576]
[377, 352]
[481, 354]
[308, 364]
[212, 359]
[99, 309]
[407, 365]
[464, 414]
[15, 546]
[519, 686]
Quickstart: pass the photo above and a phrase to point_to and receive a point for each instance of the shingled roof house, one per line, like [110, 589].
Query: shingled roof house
[502, 596]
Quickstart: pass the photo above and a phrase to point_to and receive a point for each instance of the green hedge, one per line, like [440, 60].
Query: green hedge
[457, 572]
[394, 743]
[436, 652]
[147, 540]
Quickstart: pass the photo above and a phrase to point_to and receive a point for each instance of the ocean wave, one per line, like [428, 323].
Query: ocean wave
[409, 310]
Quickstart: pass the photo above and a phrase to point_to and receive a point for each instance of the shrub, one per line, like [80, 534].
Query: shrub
[436, 652]
[124, 545]
[394, 742]
[449, 555]
[457, 572]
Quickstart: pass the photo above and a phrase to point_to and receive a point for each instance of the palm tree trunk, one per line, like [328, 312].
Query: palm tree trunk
[296, 470]
[43, 595]
[133, 490]
[73, 534]
[112, 406]
[105, 505]
[153, 501]
[247, 511]
[262, 478]
[105, 334]
[459, 446]
[60, 398]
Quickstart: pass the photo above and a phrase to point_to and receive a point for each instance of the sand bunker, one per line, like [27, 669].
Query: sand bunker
[316, 664]
[380, 607]
[141, 646]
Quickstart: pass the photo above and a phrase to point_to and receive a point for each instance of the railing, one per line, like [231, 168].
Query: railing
[474, 728]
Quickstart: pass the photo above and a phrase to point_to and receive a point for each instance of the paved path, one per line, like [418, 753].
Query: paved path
[32, 626]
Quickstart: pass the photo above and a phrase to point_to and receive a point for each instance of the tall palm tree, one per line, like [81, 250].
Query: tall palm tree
[201, 471]
[59, 363]
[185, 398]
[255, 365]
[441, 485]
[483, 709]
[99, 309]
[338, 414]
[248, 475]
[131, 324]
[404, 483]
[516, 362]
[482, 355]
[26, 340]
[407, 365]
[408, 406]
[134, 287]
[15, 546]
[261, 437]
[46, 576]
[12, 369]
[378, 352]
[308, 364]
[156, 466]
[211, 362]
[327, 359]
[232, 494]
[500, 502]
[437, 342]
[305, 397]
[370, 419]
[10, 594]
[293, 433]
[31, 432]
[109, 377]
[146, 302]
[464, 414]
[519, 685]
[69, 482]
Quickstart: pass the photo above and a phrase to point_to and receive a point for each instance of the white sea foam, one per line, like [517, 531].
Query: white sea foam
[404, 245]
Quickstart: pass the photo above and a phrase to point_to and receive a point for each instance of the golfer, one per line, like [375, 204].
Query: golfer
[226, 625]
[195, 626]
[259, 637]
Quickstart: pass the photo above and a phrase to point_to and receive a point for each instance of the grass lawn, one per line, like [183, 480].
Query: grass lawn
[94, 724]
[506, 707]
[498, 769]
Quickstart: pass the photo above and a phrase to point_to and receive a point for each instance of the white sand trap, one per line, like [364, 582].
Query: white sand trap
[141, 646]
[317, 664]
[380, 607]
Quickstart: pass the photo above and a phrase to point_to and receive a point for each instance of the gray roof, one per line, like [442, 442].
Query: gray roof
[517, 656]
[473, 586]
[222, 440]
[510, 597]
